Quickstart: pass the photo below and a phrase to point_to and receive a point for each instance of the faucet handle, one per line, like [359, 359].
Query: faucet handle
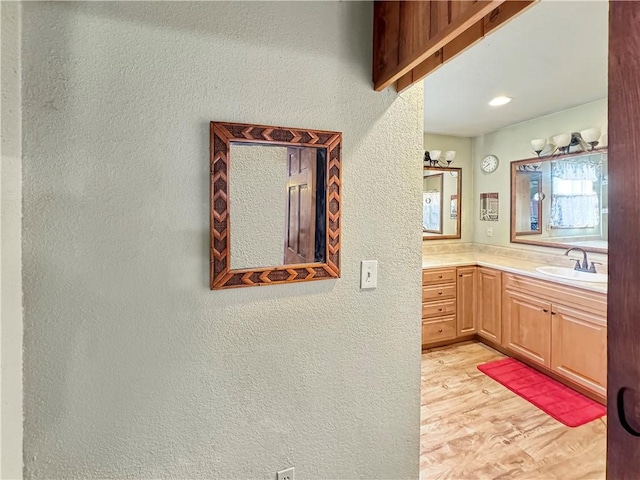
[577, 265]
[592, 268]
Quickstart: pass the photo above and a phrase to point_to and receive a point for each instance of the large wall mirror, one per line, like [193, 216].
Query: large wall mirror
[441, 197]
[275, 205]
[561, 201]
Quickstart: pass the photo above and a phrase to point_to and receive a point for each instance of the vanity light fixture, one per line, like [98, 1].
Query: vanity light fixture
[538, 145]
[432, 158]
[499, 101]
[591, 136]
[561, 143]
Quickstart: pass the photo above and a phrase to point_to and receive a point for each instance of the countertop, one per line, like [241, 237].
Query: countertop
[506, 264]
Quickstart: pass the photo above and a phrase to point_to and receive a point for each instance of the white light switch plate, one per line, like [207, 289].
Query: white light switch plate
[369, 274]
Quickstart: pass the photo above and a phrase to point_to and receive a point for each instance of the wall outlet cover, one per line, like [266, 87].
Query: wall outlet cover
[287, 474]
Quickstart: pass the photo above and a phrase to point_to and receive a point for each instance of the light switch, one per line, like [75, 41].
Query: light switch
[369, 274]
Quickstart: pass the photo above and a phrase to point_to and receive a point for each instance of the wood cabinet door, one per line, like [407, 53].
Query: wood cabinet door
[579, 347]
[527, 327]
[489, 304]
[467, 287]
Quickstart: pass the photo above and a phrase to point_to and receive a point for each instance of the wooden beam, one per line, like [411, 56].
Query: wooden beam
[415, 27]
[385, 72]
[500, 15]
[386, 35]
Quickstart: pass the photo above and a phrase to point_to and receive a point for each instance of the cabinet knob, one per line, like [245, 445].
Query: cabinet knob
[440, 331]
[553, 313]
[440, 309]
[545, 310]
[439, 276]
[460, 275]
[439, 293]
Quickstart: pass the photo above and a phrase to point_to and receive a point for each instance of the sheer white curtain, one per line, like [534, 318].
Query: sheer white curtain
[574, 201]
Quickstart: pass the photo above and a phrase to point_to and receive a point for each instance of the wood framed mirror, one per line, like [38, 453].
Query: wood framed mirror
[561, 201]
[281, 186]
[441, 201]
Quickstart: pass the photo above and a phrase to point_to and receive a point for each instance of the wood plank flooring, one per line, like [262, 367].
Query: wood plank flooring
[474, 428]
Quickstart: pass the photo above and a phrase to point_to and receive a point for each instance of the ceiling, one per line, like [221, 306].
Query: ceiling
[550, 58]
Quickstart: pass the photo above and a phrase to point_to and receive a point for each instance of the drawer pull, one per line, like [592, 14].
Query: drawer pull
[440, 331]
[439, 276]
[439, 293]
[553, 313]
[440, 309]
[545, 310]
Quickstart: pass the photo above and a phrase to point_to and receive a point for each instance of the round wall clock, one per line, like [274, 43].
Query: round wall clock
[489, 164]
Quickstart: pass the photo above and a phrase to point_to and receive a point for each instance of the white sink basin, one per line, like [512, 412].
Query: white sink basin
[570, 274]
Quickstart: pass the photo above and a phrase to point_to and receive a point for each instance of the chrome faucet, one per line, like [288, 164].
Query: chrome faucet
[585, 263]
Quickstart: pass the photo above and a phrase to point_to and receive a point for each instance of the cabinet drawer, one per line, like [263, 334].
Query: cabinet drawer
[438, 309]
[446, 275]
[438, 292]
[444, 329]
[585, 300]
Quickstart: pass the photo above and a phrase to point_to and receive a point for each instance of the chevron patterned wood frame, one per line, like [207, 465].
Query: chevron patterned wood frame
[222, 135]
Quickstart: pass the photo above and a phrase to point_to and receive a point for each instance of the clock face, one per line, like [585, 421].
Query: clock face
[489, 163]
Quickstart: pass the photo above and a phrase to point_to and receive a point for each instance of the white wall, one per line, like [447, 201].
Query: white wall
[514, 143]
[10, 248]
[464, 157]
[133, 367]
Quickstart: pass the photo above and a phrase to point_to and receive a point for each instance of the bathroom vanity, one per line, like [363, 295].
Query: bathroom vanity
[556, 326]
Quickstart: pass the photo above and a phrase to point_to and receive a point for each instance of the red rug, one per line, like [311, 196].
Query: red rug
[552, 397]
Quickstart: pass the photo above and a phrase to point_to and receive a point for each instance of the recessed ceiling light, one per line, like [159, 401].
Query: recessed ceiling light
[496, 102]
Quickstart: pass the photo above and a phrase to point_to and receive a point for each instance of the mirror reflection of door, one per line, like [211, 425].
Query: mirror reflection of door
[528, 202]
[301, 205]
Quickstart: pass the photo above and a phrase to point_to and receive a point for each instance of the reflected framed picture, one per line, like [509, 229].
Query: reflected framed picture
[453, 207]
[489, 207]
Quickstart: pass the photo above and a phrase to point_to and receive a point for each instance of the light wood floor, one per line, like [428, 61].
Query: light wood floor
[474, 428]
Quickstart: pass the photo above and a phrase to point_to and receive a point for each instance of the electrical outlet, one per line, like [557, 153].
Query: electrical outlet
[489, 232]
[287, 474]
[369, 274]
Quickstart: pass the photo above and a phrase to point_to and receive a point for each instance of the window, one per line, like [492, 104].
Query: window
[574, 201]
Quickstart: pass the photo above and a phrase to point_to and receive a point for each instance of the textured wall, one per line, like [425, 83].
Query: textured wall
[257, 205]
[10, 251]
[133, 367]
[514, 143]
